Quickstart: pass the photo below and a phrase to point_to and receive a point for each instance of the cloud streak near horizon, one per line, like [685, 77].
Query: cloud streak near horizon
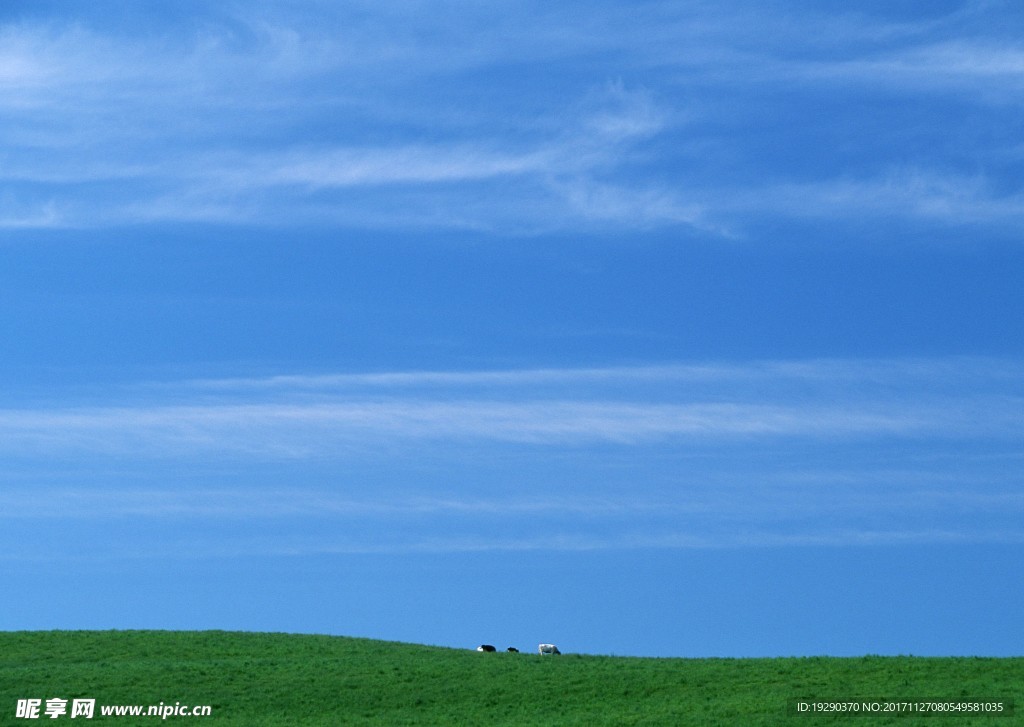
[920, 450]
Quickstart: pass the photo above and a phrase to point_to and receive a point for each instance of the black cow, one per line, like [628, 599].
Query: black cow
[512, 650]
[485, 647]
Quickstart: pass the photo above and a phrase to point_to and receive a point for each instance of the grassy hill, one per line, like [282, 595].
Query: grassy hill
[281, 679]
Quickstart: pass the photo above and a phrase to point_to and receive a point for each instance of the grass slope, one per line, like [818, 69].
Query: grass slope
[281, 679]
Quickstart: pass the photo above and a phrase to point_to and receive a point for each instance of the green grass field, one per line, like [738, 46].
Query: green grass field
[281, 679]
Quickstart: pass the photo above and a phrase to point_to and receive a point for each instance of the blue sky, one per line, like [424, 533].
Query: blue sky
[659, 328]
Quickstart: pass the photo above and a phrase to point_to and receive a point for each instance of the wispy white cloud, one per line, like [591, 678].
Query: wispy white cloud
[222, 117]
[34, 503]
[934, 374]
[906, 193]
[977, 67]
[304, 417]
[644, 208]
[735, 455]
[312, 429]
[353, 167]
[205, 548]
[547, 179]
[37, 215]
[671, 541]
[774, 497]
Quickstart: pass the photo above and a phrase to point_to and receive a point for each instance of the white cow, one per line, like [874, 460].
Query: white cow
[547, 649]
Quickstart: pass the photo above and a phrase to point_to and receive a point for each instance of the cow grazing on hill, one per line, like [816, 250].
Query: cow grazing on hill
[512, 650]
[547, 649]
[485, 647]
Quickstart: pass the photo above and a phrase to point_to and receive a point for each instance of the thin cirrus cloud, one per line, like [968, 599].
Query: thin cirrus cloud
[544, 182]
[910, 193]
[229, 546]
[775, 497]
[314, 416]
[977, 67]
[300, 430]
[106, 127]
[297, 521]
[764, 454]
[782, 376]
[582, 543]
